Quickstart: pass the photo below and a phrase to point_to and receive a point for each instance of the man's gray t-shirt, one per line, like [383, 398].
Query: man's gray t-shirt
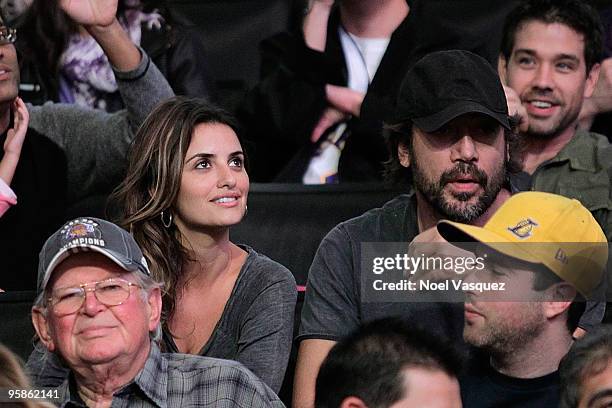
[334, 306]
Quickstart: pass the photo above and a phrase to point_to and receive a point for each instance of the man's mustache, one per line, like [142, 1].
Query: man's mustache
[460, 171]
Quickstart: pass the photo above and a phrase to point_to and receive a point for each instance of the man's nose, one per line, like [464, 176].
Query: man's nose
[91, 305]
[464, 149]
[543, 78]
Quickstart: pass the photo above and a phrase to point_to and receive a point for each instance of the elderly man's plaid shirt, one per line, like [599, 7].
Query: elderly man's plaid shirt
[182, 380]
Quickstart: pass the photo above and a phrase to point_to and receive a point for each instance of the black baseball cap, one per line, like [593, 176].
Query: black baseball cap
[90, 234]
[446, 84]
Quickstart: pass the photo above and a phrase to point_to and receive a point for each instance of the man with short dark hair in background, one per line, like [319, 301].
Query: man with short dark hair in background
[549, 62]
[388, 363]
[586, 371]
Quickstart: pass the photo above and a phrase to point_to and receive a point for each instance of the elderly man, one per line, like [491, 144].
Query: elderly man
[526, 328]
[98, 309]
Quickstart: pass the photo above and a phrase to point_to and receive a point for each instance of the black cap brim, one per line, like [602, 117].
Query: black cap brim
[434, 122]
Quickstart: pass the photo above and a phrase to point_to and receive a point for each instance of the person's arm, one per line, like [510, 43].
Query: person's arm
[281, 111]
[601, 99]
[14, 141]
[95, 143]
[330, 310]
[7, 197]
[266, 335]
[311, 354]
[12, 151]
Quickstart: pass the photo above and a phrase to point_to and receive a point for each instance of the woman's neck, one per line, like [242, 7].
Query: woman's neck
[210, 255]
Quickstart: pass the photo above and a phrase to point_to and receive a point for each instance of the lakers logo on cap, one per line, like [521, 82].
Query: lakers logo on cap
[523, 228]
[81, 231]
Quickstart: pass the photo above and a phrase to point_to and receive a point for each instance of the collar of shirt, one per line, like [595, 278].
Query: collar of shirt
[152, 380]
[581, 151]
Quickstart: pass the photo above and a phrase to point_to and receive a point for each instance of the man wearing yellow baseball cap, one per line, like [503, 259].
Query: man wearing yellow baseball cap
[548, 250]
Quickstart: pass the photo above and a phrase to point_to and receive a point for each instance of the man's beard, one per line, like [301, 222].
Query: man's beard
[434, 192]
[501, 336]
[549, 131]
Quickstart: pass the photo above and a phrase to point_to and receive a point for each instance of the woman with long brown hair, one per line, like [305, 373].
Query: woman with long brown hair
[186, 185]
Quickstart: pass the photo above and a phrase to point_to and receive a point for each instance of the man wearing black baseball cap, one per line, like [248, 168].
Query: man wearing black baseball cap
[450, 137]
[98, 310]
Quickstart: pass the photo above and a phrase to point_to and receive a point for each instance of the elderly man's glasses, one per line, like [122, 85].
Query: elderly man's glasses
[7, 35]
[109, 292]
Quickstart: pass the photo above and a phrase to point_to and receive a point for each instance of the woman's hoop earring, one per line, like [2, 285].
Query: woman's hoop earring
[166, 223]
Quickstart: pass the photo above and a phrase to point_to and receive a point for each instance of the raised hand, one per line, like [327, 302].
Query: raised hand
[330, 117]
[343, 103]
[98, 17]
[14, 140]
[515, 107]
[16, 135]
[601, 99]
[430, 244]
[90, 12]
[344, 99]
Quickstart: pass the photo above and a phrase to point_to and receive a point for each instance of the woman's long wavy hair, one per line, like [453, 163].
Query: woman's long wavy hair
[155, 169]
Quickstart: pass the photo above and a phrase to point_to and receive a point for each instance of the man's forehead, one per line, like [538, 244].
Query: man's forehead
[538, 29]
[505, 263]
[85, 266]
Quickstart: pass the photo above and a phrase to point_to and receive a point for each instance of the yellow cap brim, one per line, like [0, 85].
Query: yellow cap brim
[458, 233]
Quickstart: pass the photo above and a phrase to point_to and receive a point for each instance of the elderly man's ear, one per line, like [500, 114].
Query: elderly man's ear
[154, 303]
[39, 320]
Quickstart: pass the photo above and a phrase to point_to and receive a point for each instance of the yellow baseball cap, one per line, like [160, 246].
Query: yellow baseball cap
[543, 228]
